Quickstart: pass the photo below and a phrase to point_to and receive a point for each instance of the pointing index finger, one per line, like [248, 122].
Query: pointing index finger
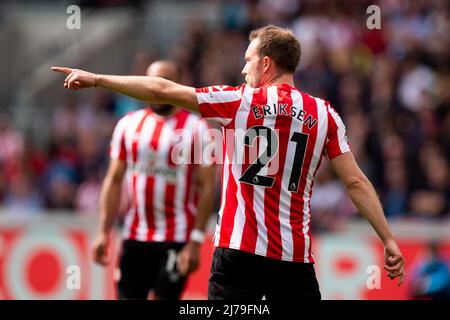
[62, 70]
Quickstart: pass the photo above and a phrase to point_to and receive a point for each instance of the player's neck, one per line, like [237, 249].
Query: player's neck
[285, 78]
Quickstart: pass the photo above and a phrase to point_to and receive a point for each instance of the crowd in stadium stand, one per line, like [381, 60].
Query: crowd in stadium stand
[391, 87]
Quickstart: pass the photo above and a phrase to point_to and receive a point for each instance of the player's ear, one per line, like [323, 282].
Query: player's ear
[267, 63]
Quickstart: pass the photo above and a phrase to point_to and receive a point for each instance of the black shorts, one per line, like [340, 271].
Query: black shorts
[149, 265]
[238, 275]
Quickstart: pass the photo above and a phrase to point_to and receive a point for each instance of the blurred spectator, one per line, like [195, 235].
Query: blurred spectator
[11, 147]
[430, 278]
[395, 198]
[329, 203]
[88, 194]
[431, 199]
[22, 199]
[416, 82]
[60, 186]
[11, 140]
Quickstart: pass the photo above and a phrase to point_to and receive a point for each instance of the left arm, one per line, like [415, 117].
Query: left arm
[363, 195]
[189, 257]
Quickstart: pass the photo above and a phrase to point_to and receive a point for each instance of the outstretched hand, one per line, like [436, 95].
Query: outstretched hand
[395, 263]
[77, 79]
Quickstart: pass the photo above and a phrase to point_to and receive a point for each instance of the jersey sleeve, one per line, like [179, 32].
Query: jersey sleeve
[117, 149]
[336, 142]
[219, 103]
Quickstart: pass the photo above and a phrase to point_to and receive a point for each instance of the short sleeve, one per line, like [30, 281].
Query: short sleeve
[336, 142]
[219, 103]
[117, 149]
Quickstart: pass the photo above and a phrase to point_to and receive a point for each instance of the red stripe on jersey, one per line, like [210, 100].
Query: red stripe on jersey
[250, 230]
[123, 151]
[169, 199]
[272, 195]
[169, 211]
[135, 222]
[150, 183]
[297, 202]
[229, 210]
[134, 154]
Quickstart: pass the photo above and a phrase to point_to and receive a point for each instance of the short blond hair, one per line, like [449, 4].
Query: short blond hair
[279, 44]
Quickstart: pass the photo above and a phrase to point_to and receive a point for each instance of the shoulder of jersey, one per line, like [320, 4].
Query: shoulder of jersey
[321, 102]
[222, 88]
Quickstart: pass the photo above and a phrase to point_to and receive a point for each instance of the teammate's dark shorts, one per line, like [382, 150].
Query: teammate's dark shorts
[149, 265]
[238, 275]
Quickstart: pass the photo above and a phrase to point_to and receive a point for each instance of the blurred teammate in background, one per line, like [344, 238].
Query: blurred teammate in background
[263, 239]
[165, 225]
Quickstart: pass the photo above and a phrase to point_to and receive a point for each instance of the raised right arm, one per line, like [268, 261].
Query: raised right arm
[146, 88]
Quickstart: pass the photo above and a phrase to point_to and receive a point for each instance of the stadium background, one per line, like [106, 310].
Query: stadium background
[391, 86]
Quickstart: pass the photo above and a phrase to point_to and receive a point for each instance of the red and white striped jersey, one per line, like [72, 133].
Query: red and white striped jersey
[162, 193]
[265, 206]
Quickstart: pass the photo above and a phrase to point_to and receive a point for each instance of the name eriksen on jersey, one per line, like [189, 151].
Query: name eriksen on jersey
[260, 111]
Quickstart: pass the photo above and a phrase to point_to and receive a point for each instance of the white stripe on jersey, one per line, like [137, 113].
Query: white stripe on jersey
[286, 195]
[218, 96]
[343, 145]
[322, 127]
[261, 240]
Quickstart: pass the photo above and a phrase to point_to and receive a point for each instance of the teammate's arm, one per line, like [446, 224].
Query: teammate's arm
[189, 257]
[146, 88]
[109, 204]
[364, 196]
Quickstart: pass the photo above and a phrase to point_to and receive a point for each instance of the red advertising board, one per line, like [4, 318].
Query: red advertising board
[37, 261]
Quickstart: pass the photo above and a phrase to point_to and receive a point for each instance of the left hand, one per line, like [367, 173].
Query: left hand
[395, 263]
[188, 258]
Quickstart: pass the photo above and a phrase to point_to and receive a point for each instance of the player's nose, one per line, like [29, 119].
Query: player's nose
[244, 70]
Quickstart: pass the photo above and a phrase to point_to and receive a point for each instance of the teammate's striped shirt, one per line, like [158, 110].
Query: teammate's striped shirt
[162, 193]
[265, 208]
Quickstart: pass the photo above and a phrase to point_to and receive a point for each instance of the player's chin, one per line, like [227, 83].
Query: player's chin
[251, 83]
